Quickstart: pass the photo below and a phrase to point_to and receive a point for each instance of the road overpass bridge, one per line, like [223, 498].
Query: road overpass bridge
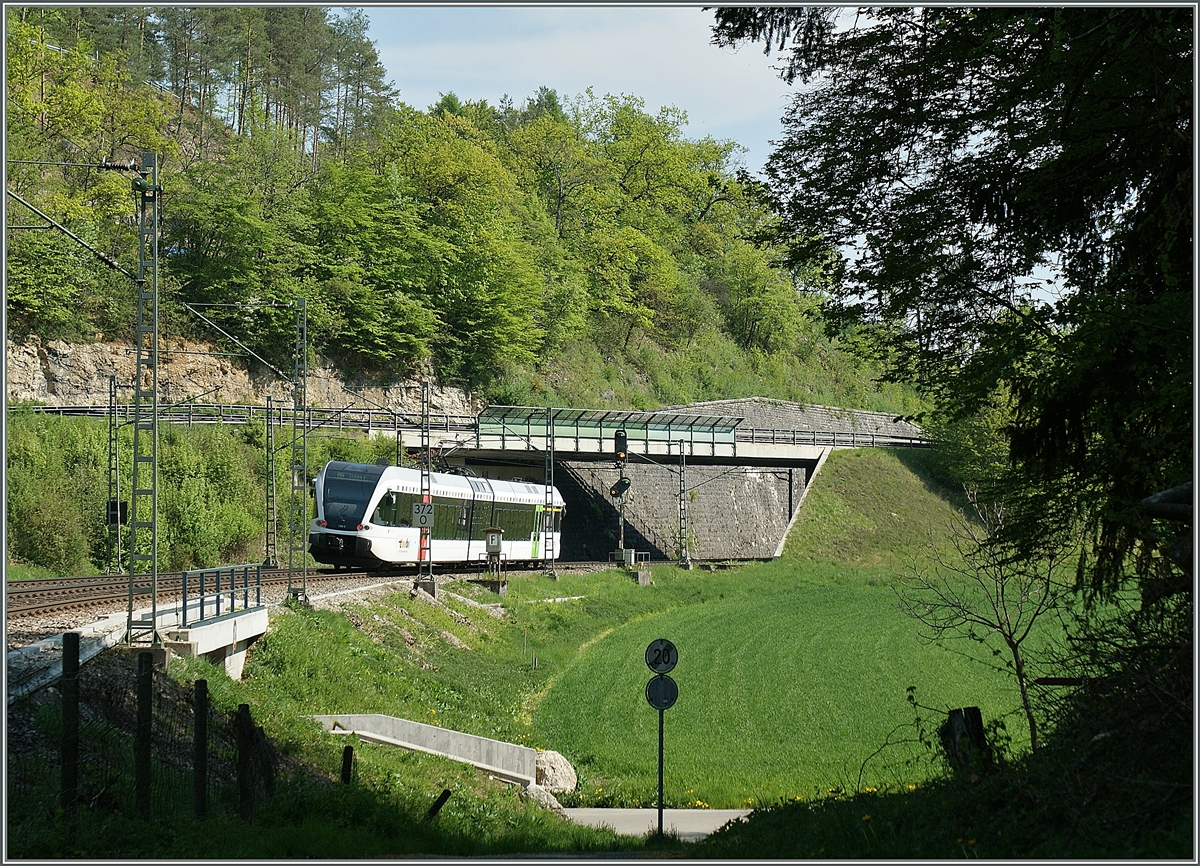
[745, 470]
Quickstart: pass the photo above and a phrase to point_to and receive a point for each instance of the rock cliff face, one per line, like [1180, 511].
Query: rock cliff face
[63, 374]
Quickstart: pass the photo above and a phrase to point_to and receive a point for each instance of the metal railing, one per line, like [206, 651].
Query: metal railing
[385, 421]
[218, 594]
[854, 439]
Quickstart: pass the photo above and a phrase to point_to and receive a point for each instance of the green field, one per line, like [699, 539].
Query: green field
[786, 688]
[792, 674]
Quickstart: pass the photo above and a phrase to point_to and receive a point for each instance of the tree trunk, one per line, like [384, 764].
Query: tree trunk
[1023, 684]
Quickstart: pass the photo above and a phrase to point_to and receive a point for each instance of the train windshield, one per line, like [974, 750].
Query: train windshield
[348, 488]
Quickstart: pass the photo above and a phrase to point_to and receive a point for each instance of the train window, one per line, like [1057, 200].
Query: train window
[386, 513]
[346, 499]
[446, 522]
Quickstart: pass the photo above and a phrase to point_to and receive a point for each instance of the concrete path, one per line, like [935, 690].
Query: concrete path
[689, 824]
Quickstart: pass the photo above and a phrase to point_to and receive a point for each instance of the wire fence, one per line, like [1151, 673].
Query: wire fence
[136, 751]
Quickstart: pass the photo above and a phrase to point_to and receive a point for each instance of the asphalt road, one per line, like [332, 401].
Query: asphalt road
[689, 824]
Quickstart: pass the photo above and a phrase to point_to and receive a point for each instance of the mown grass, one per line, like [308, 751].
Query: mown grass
[790, 682]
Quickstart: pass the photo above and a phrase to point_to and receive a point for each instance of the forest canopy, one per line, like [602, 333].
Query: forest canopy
[483, 239]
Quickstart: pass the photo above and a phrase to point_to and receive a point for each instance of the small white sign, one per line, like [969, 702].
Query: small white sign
[422, 514]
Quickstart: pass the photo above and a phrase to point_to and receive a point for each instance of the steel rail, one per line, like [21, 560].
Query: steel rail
[42, 596]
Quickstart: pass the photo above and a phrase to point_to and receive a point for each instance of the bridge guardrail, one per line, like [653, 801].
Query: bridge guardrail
[383, 420]
[217, 594]
[855, 439]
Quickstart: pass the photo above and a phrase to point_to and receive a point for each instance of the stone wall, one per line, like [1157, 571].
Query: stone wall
[65, 374]
[734, 512]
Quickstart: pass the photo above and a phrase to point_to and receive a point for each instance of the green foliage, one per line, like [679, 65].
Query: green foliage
[56, 497]
[211, 490]
[486, 240]
[1048, 260]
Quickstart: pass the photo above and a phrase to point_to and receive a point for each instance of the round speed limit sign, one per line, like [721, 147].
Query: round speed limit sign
[661, 656]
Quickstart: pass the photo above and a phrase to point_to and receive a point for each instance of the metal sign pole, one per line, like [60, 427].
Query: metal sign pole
[661, 693]
[660, 772]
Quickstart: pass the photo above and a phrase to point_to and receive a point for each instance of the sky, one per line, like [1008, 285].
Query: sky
[662, 54]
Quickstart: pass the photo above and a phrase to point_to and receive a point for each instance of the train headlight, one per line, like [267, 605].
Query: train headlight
[322, 523]
[362, 526]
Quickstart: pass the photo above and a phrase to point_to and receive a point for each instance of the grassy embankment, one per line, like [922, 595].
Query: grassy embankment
[792, 675]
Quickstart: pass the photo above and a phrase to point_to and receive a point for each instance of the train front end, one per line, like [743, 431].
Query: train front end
[337, 535]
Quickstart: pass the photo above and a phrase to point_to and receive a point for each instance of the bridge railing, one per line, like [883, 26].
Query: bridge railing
[835, 438]
[370, 420]
[201, 579]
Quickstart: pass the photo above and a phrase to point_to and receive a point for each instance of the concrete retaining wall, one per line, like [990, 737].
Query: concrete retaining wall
[518, 763]
[734, 512]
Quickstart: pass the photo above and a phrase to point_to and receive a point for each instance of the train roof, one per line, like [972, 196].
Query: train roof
[407, 479]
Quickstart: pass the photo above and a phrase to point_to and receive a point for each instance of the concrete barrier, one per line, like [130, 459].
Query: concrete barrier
[223, 640]
[506, 760]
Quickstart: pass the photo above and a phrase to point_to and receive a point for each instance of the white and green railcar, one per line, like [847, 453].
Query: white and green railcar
[365, 517]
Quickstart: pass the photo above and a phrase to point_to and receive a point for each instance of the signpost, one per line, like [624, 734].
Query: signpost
[422, 514]
[661, 693]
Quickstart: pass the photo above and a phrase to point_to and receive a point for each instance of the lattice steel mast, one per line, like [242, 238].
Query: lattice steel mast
[270, 552]
[298, 505]
[113, 515]
[685, 561]
[549, 553]
[425, 578]
[143, 506]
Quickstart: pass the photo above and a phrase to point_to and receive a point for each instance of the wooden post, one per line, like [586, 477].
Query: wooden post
[963, 738]
[70, 719]
[245, 742]
[141, 743]
[200, 748]
[437, 805]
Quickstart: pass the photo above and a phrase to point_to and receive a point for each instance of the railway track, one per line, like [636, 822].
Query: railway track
[47, 596]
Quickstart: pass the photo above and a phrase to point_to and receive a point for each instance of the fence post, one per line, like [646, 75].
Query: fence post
[200, 748]
[141, 743]
[347, 763]
[245, 742]
[70, 719]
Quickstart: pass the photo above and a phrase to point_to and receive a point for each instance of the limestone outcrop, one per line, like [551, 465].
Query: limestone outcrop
[56, 373]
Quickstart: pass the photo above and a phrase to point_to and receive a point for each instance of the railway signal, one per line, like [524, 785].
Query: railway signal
[618, 489]
[621, 447]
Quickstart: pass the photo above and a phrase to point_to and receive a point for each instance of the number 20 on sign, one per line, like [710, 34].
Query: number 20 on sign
[661, 656]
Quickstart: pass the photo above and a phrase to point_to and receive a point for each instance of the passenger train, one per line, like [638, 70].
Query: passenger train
[364, 517]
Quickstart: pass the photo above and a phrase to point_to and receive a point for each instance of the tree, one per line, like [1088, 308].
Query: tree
[1011, 188]
[986, 595]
